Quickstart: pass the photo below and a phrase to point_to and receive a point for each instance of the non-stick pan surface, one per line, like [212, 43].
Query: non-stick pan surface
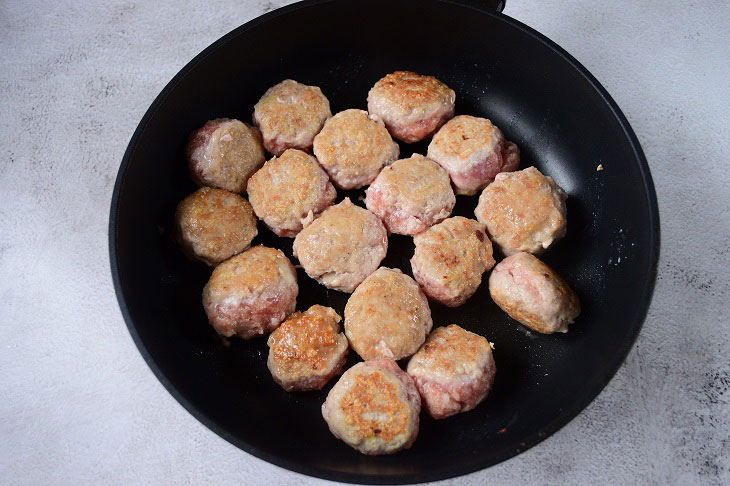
[562, 119]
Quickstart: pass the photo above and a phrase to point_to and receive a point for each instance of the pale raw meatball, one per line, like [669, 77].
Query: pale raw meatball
[212, 225]
[473, 152]
[523, 211]
[533, 294]
[251, 293]
[411, 195]
[307, 350]
[450, 258]
[353, 146]
[412, 106]
[374, 408]
[387, 316]
[342, 247]
[289, 115]
[224, 153]
[453, 371]
[289, 191]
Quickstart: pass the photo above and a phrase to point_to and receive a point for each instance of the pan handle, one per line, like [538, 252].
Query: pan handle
[495, 5]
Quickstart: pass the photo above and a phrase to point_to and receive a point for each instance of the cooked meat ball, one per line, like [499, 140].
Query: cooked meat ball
[307, 350]
[412, 106]
[450, 258]
[533, 294]
[523, 211]
[290, 191]
[224, 153]
[353, 146]
[251, 293]
[289, 115]
[411, 195]
[342, 247]
[387, 316]
[453, 371]
[212, 225]
[374, 408]
[473, 152]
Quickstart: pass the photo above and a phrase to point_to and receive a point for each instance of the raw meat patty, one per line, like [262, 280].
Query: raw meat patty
[251, 293]
[412, 106]
[450, 258]
[387, 316]
[353, 146]
[533, 294]
[453, 371]
[374, 408]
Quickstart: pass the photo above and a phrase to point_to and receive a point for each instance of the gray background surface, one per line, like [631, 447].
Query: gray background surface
[79, 405]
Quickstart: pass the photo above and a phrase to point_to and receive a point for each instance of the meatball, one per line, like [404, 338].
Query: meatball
[212, 225]
[523, 211]
[533, 294]
[374, 408]
[353, 146]
[450, 258]
[251, 293]
[289, 115]
[342, 247]
[473, 152]
[412, 106]
[411, 195]
[387, 316]
[453, 371]
[307, 350]
[290, 191]
[224, 153]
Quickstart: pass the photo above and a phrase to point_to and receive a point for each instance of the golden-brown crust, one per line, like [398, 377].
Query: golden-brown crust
[411, 89]
[464, 135]
[448, 348]
[258, 268]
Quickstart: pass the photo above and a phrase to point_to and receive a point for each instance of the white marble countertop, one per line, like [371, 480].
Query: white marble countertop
[78, 405]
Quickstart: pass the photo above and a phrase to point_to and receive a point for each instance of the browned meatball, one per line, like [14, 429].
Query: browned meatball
[212, 225]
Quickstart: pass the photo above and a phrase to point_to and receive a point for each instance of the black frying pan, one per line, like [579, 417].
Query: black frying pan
[562, 119]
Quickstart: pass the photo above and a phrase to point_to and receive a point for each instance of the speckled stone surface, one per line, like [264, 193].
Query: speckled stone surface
[78, 405]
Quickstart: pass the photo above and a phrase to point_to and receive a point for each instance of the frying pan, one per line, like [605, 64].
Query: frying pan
[565, 123]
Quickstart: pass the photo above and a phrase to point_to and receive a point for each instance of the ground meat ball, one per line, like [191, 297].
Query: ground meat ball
[473, 152]
[450, 258]
[523, 211]
[212, 225]
[533, 294]
[224, 153]
[289, 115]
[342, 247]
[453, 371]
[387, 316]
[353, 147]
[307, 350]
[251, 293]
[411, 195]
[412, 106]
[289, 191]
[374, 408]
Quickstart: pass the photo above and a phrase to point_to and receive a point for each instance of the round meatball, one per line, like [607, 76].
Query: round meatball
[411, 195]
[353, 146]
[533, 294]
[289, 191]
[307, 350]
[251, 293]
[374, 408]
[224, 153]
[387, 316]
[473, 152]
[342, 247]
[289, 115]
[212, 225]
[450, 258]
[412, 106]
[453, 371]
[523, 211]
